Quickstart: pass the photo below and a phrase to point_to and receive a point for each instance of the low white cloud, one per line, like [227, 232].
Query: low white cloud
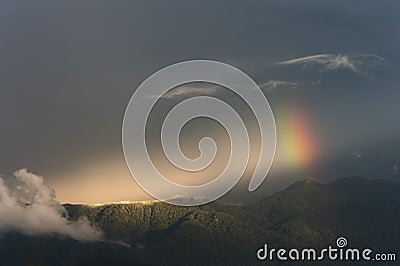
[359, 64]
[28, 205]
[271, 85]
[187, 199]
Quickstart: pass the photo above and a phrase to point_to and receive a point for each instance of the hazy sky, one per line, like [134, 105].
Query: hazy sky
[330, 70]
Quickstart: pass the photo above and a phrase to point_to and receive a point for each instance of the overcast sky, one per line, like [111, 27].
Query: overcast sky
[69, 68]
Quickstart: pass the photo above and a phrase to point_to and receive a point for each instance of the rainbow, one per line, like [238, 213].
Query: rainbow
[297, 142]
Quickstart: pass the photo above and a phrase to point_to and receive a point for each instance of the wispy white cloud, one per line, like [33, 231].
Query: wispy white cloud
[316, 82]
[395, 170]
[356, 63]
[271, 85]
[188, 90]
[357, 155]
[28, 205]
[307, 59]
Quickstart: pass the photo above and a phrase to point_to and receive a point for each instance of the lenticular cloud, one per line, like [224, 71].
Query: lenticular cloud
[28, 205]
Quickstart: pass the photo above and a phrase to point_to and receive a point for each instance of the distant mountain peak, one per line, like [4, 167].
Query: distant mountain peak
[305, 182]
[310, 180]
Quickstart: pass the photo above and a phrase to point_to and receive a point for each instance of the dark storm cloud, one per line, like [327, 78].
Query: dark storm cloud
[68, 68]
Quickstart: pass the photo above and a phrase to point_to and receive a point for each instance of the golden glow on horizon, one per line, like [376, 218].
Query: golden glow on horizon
[102, 181]
[108, 179]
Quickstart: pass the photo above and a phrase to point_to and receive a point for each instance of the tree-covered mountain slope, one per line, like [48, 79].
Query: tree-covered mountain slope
[306, 214]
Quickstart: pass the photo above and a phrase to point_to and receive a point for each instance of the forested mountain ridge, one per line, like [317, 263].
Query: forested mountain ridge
[306, 214]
